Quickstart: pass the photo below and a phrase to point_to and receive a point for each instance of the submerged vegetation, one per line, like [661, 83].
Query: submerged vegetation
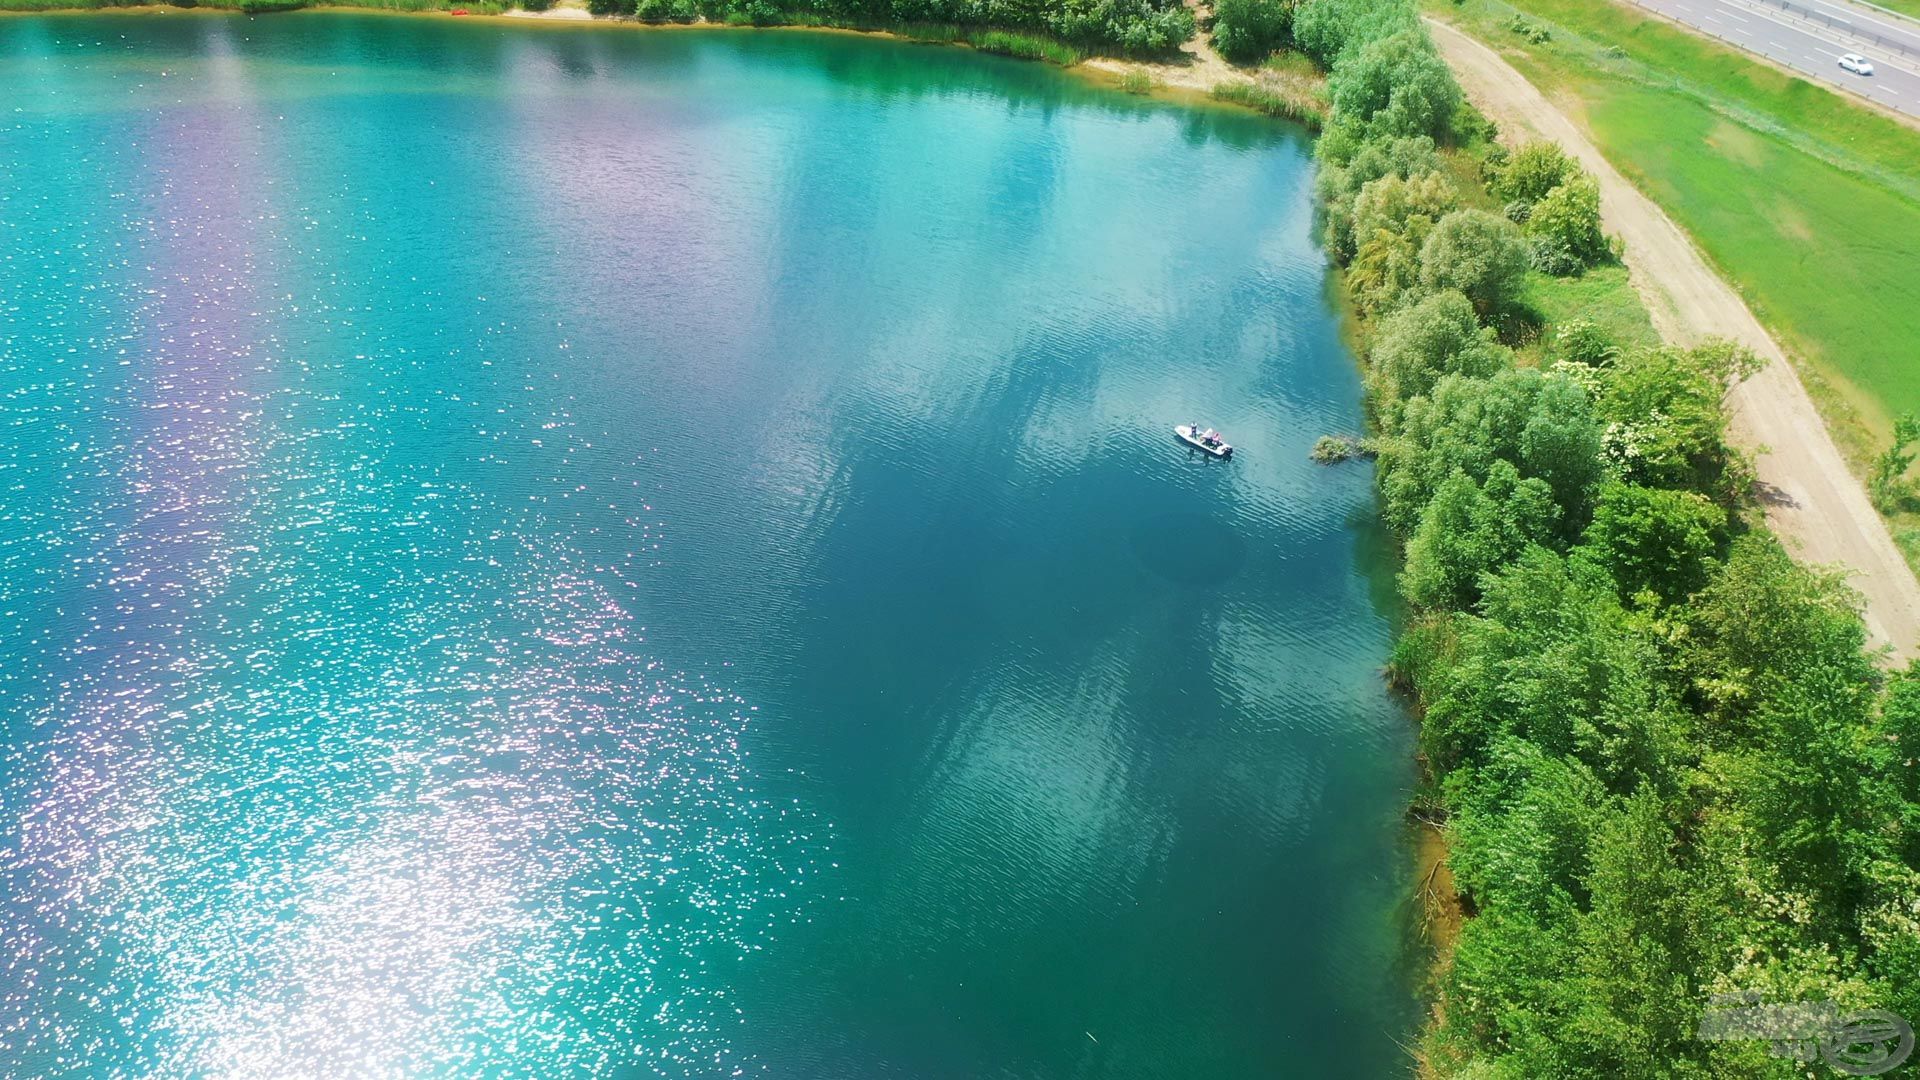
[1666, 765]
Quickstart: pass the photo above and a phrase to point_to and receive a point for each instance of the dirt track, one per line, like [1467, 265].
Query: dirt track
[1813, 502]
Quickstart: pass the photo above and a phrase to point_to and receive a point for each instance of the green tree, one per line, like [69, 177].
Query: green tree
[1555, 660]
[1654, 541]
[1806, 795]
[1394, 86]
[1385, 273]
[1469, 530]
[1888, 484]
[1345, 169]
[1477, 253]
[1327, 29]
[1666, 424]
[1522, 824]
[1248, 30]
[1540, 421]
[1764, 623]
[1418, 345]
[1900, 732]
[1408, 205]
[1635, 991]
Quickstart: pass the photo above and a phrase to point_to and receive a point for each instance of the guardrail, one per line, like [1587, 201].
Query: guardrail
[1844, 26]
[1888, 12]
[1848, 87]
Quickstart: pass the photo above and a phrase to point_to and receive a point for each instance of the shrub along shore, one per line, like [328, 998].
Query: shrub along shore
[1060, 33]
[1664, 763]
[1665, 766]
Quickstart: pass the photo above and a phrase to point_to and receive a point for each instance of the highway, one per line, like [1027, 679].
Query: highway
[1809, 36]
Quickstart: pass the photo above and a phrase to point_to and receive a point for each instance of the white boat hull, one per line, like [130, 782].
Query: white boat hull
[1192, 438]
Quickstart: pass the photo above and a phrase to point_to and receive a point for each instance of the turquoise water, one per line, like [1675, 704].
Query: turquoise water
[534, 551]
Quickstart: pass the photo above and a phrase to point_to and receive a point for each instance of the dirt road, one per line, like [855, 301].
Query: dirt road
[1816, 506]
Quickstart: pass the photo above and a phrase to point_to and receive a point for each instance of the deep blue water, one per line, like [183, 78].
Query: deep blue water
[555, 551]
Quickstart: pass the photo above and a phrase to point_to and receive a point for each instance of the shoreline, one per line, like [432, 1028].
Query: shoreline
[1196, 83]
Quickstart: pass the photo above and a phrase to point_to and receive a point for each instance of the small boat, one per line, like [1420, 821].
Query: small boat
[1208, 440]
[458, 11]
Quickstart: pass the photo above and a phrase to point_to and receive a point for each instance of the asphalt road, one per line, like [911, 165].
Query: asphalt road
[1810, 47]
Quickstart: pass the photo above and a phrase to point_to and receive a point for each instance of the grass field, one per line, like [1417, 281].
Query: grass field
[1602, 296]
[1807, 202]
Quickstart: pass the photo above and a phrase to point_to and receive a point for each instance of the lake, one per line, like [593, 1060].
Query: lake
[559, 551]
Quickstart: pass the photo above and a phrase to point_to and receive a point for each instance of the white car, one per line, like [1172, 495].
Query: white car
[1857, 64]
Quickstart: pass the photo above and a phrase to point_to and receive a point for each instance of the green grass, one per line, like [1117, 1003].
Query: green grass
[1807, 202]
[1274, 99]
[1601, 295]
[1909, 8]
[1025, 46]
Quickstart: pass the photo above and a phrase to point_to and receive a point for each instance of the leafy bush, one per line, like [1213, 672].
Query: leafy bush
[1417, 346]
[1247, 30]
[1665, 423]
[1395, 86]
[1333, 449]
[1564, 228]
[1528, 29]
[1654, 541]
[1581, 341]
[1888, 484]
[1327, 29]
[1527, 174]
[1347, 167]
[1479, 254]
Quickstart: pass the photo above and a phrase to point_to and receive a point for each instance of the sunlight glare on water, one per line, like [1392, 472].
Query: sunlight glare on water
[566, 552]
